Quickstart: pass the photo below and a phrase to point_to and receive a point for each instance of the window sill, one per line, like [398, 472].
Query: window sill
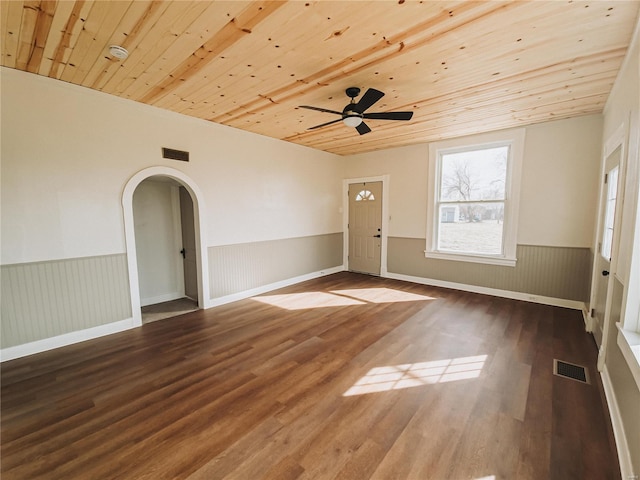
[629, 343]
[505, 262]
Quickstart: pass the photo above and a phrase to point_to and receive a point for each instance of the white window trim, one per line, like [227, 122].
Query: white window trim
[515, 139]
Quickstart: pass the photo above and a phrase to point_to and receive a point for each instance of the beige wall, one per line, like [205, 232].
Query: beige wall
[558, 198]
[241, 267]
[558, 189]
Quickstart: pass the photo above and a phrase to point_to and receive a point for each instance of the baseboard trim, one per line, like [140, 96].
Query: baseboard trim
[234, 297]
[527, 297]
[624, 455]
[31, 348]
[588, 320]
[11, 353]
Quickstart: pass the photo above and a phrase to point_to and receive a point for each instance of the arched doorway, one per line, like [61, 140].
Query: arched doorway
[145, 183]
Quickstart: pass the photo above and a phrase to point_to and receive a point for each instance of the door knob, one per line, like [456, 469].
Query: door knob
[376, 236]
[605, 273]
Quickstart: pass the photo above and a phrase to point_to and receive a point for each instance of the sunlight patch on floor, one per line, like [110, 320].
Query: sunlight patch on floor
[382, 295]
[396, 377]
[301, 301]
[339, 298]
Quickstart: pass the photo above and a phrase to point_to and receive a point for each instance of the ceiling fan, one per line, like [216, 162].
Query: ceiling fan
[353, 115]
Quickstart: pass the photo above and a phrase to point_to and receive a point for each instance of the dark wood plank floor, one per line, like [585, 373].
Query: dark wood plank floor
[347, 376]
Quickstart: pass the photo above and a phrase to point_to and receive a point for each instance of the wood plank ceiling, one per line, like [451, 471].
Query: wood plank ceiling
[462, 67]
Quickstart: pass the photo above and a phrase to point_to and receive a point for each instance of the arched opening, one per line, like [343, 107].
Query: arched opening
[162, 205]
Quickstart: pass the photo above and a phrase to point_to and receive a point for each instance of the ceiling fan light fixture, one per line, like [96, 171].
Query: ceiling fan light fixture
[352, 121]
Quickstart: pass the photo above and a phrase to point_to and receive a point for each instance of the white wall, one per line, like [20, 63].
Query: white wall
[68, 151]
[158, 242]
[622, 369]
[558, 188]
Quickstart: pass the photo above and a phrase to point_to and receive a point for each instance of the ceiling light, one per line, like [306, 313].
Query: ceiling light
[119, 52]
[352, 120]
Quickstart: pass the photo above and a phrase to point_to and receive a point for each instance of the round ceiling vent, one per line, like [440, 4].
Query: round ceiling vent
[118, 52]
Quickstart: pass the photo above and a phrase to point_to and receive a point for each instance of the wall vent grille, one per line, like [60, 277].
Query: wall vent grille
[571, 371]
[172, 154]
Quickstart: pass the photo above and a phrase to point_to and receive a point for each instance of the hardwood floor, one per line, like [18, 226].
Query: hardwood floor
[460, 386]
[173, 308]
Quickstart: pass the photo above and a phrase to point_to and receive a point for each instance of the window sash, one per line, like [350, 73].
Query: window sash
[514, 141]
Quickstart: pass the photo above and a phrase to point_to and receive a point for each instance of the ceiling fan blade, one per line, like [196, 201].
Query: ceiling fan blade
[320, 109]
[325, 124]
[389, 116]
[370, 97]
[363, 128]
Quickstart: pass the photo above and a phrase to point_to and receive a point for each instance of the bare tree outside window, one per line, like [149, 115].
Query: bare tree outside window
[471, 201]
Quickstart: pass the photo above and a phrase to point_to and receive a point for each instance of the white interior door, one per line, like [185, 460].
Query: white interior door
[365, 227]
[605, 247]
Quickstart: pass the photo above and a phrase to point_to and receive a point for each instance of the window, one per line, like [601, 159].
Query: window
[364, 195]
[473, 203]
[610, 213]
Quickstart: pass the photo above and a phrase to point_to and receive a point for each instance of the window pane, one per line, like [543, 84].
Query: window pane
[610, 212]
[474, 175]
[474, 228]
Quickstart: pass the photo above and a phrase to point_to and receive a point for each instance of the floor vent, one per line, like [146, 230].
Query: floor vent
[569, 370]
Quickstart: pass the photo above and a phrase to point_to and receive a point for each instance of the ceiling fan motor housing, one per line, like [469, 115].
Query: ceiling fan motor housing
[353, 92]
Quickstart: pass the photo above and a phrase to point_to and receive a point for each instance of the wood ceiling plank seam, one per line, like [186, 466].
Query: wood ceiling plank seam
[168, 49]
[371, 56]
[11, 24]
[357, 62]
[4, 22]
[455, 102]
[84, 31]
[69, 38]
[27, 33]
[153, 12]
[230, 122]
[518, 105]
[233, 31]
[169, 28]
[197, 92]
[105, 62]
[539, 74]
[56, 31]
[488, 86]
[300, 38]
[467, 75]
[201, 88]
[97, 48]
[43, 26]
[463, 106]
[100, 13]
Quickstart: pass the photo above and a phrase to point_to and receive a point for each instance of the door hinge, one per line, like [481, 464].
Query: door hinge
[593, 312]
[606, 177]
[599, 247]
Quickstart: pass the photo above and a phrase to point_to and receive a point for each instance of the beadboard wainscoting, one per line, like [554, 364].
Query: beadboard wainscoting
[47, 299]
[247, 266]
[555, 272]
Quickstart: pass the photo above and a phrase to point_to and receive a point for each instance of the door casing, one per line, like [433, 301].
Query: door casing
[385, 218]
[617, 140]
[204, 300]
